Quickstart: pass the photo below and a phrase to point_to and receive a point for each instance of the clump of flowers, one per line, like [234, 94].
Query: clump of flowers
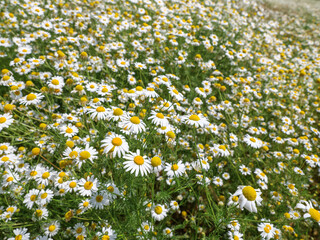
[158, 120]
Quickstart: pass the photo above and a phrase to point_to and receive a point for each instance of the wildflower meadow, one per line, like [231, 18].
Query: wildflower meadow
[158, 119]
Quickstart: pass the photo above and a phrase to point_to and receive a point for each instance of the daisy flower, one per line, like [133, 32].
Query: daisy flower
[5, 120]
[88, 186]
[115, 144]
[52, 228]
[195, 120]
[159, 212]
[69, 130]
[108, 233]
[133, 125]
[266, 230]
[99, 113]
[137, 163]
[86, 154]
[56, 82]
[175, 169]
[244, 170]
[99, 200]
[252, 141]
[116, 114]
[31, 99]
[311, 211]
[159, 119]
[248, 198]
[20, 234]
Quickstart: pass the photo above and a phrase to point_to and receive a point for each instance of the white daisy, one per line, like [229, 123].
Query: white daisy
[175, 169]
[137, 163]
[31, 99]
[266, 230]
[133, 125]
[52, 228]
[159, 212]
[159, 119]
[195, 120]
[5, 120]
[88, 186]
[115, 144]
[21, 234]
[98, 112]
[248, 198]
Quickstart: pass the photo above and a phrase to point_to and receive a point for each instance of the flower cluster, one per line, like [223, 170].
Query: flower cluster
[158, 119]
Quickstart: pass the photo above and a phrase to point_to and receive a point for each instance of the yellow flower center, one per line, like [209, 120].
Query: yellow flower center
[55, 82]
[249, 193]
[44, 195]
[73, 154]
[146, 227]
[105, 237]
[175, 167]
[39, 212]
[85, 155]
[194, 118]
[222, 147]
[52, 228]
[5, 159]
[267, 228]
[117, 112]
[10, 209]
[72, 184]
[88, 185]
[315, 214]
[252, 140]
[99, 198]
[138, 160]
[3, 119]
[31, 97]
[33, 198]
[158, 210]
[171, 134]
[235, 238]
[155, 161]
[45, 175]
[69, 130]
[18, 237]
[117, 141]
[79, 230]
[160, 115]
[100, 109]
[110, 189]
[135, 120]
[9, 179]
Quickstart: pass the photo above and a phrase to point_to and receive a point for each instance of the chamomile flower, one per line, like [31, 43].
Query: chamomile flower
[5, 120]
[51, 229]
[252, 141]
[175, 169]
[248, 198]
[133, 125]
[267, 230]
[137, 164]
[20, 234]
[88, 186]
[31, 99]
[159, 119]
[98, 112]
[99, 200]
[310, 210]
[197, 120]
[159, 212]
[115, 144]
